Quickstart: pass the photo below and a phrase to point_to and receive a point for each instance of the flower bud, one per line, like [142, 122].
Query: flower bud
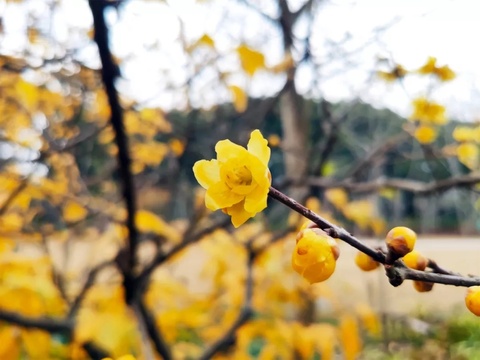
[365, 262]
[315, 255]
[423, 286]
[472, 299]
[400, 241]
[415, 260]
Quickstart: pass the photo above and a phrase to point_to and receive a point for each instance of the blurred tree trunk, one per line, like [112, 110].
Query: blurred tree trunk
[295, 141]
[294, 124]
[296, 148]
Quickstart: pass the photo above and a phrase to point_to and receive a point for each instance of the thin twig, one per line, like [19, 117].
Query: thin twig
[413, 186]
[43, 323]
[13, 195]
[86, 286]
[397, 272]
[336, 231]
[154, 332]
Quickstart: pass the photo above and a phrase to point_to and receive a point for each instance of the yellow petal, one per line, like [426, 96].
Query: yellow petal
[349, 336]
[221, 196]
[37, 343]
[226, 150]
[250, 59]
[463, 133]
[425, 134]
[258, 146]
[206, 172]
[240, 99]
[320, 271]
[239, 214]
[9, 344]
[149, 222]
[256, 201]
[260, 172]
[73, 212]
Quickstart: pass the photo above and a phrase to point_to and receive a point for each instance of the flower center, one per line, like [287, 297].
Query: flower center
[239, 175]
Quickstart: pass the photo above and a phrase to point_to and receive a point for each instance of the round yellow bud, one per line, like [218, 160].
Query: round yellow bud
[400, 240]
[315, 255]
[422, 286]
[365, 262]
[472, 299]
[415, 260]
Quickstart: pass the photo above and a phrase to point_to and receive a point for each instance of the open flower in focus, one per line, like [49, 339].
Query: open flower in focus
[238, 181]
[315, 255]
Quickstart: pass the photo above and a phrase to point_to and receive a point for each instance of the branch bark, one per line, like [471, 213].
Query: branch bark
[397, 272]
[110, 72]
[417, 187]
[42, 323]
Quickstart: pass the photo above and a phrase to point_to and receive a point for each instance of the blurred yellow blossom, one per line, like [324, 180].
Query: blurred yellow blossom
[238, 181]
[425, 134]
[337, 196]
[467, 154]
[274, 140]
[428, 112]
[124, 357]
[463, 133]
[444, 73]
[398, 72]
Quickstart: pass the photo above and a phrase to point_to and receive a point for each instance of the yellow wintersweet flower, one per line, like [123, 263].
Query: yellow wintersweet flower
[124, 357]
[444, 73]
[315, 255]
[398, 72]
[425, 134]
[468, 154]
[464, 133]
[238, 181]
[428, 112]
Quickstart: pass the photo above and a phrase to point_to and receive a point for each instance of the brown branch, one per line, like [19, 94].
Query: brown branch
[374, 153]
[414, 186]
[335, 231]
[397, 272]
[110, 73]
[43, 323]
[86, 286]
[13, 195]
[154, 332]
[330, 127]
[305, 7]
[438, 269]
[400, 273]
[245, 313]
[258, 11]
[94, 351]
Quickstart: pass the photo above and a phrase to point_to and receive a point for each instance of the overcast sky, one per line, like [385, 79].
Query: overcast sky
[413, 30]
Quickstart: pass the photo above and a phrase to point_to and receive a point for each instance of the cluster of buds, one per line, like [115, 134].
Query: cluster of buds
[400, 242]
